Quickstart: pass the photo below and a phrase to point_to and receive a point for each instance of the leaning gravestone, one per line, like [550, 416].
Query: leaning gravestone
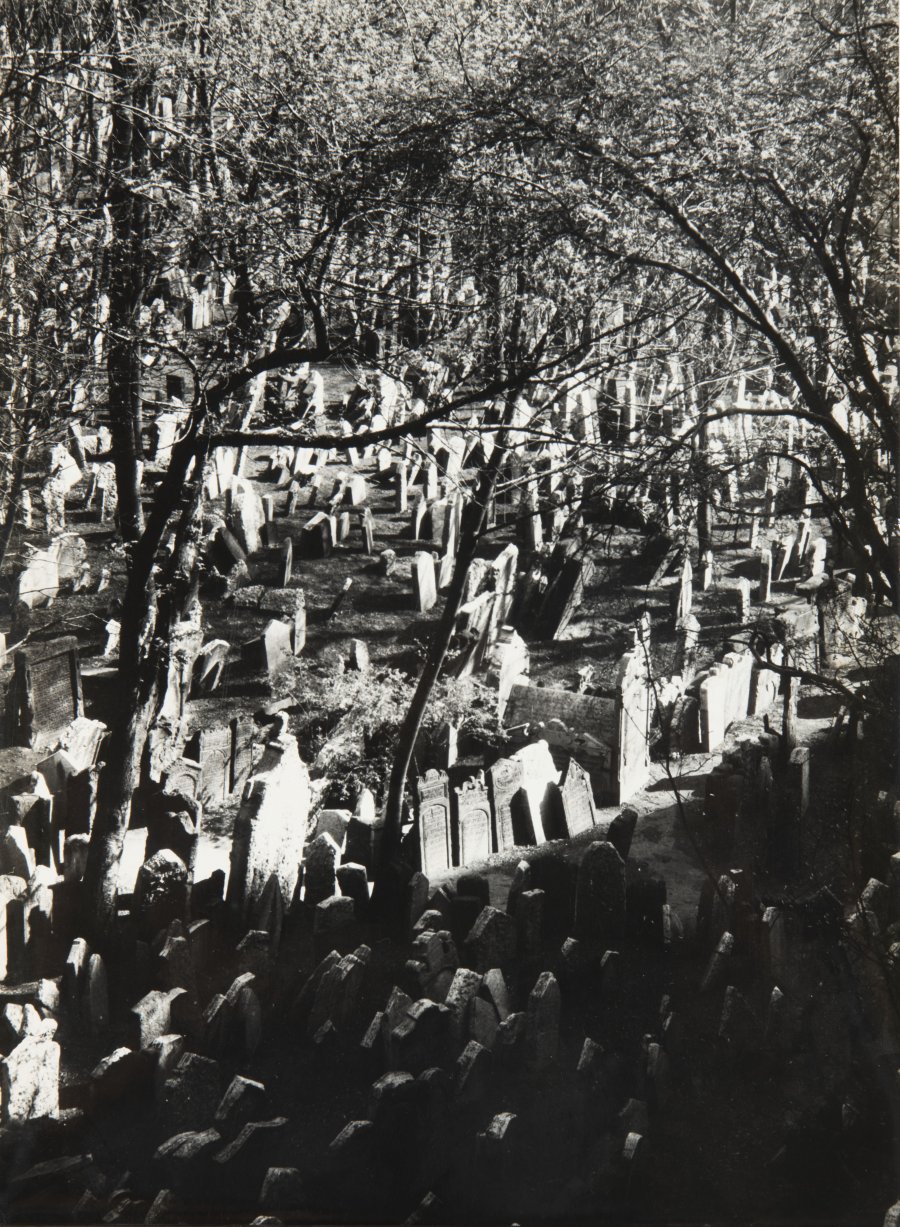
[506, 777]
[320, 863]
[577, 796]
[317, 537]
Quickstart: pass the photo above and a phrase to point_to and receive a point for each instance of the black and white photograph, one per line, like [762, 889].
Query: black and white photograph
[449, 613]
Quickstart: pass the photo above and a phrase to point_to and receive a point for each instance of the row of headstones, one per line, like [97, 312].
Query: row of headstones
[527, 802]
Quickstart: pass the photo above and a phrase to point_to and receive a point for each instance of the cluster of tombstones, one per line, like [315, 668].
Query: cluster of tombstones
[180, 1048]
[526, 801]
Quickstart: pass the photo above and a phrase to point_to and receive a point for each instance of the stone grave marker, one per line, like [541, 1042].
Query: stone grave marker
[286, 563]
[29, 1077]
[270, 827]
[317, 536]
[424, 581]
[474, 818]
[506, 777]
[600, 896]
[45, 691]
[577, 797]
[434, 823]
[765, 575]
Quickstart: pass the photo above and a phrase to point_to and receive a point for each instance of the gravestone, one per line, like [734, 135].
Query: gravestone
[765, 575]
[538, 773]
[474, 817]
[434, 823]
[160, 893]
[600, 896]
[270, 828]
[278, 646]
[247, 518]
[45, 692]
[317, 537]
[29, 1077]
[506, 777]
[577, 797]
[542, 1016]
[320, 860]
[286, 564]
[491, 941]
[424, 581]
[367, 528]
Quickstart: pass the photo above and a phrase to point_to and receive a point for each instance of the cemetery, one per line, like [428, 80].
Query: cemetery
[438, 787]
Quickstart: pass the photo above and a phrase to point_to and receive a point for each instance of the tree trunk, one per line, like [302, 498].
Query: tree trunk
[118, 780]
[126, 274]
[13, 494]
[146, 621]
[473, 522]
[704, 506]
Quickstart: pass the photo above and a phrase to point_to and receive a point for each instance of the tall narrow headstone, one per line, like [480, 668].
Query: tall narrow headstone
[424, 581]
[434, 823]
[474, 818]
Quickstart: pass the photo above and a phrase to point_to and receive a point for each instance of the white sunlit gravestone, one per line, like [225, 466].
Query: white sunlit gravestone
[538, 772]
[424, 581]
[29, 1077]
[270, 828]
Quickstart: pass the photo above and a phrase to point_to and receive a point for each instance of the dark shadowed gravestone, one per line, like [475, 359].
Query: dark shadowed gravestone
[600, 896]
[160, 893]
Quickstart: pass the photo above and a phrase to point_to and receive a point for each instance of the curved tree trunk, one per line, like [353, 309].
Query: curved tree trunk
[473, 522]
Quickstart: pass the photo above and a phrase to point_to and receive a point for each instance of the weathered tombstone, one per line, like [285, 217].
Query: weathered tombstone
[367, 525]
[320, 860]
[491, 941]
[434, 823]
[765, 575]
[577, 798]
[270, 827]
[151, 1017]
[45, 691]
[529, 916]
[278, 646]
[317, 537]
[474, 818]
[506, 777]
[424, 581]
[29, 1077]
[600, 896]
[96, 997]
[160, 892]
[542, 1023]
[286, 563]
[685, 592]
[247, 518]
[621, 831]
[538, 773]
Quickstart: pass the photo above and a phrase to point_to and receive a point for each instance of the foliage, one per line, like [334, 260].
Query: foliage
[347, 723]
